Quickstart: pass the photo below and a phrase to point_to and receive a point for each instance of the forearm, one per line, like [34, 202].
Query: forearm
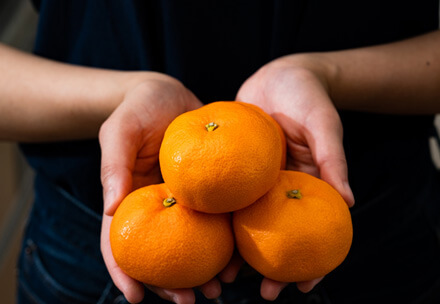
[400, 78]
[43, 100]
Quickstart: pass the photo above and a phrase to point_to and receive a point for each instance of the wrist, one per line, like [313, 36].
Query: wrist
[319, 65]
[118, 84]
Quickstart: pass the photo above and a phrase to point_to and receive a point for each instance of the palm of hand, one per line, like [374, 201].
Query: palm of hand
[131, 137]
[299, 100]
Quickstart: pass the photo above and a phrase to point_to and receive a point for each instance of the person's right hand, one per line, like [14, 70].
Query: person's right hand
[130, 140]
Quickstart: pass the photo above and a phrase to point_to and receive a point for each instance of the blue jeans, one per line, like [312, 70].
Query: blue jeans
[61, 262]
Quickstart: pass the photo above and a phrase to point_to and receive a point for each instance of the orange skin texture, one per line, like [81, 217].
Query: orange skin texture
[293, 240]
[169, 247]
[226, 169]
[280, 131]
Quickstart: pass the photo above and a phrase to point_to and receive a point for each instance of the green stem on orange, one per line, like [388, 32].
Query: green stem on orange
[168, 202]
[295, 193]
[211, 126]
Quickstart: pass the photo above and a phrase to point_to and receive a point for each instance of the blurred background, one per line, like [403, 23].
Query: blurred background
[18, 21]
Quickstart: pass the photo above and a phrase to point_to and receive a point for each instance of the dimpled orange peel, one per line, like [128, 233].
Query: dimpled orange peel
[221, 157]
[300, 230]
[159, 242]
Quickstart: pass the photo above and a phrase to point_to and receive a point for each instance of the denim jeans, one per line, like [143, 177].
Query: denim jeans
[61, 262]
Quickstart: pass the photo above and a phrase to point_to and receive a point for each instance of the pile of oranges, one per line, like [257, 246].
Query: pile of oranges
[225, 187]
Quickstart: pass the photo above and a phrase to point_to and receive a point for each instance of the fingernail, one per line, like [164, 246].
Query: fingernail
[172, 296]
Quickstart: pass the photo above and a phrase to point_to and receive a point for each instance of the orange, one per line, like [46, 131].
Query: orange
[299, 230]
[221, 157]
[280, 131]
[159, 242]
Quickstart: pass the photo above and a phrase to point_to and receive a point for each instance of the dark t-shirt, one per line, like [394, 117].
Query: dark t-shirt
[212, 47]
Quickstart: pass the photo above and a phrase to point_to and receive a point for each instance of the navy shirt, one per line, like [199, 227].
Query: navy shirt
[212, 47]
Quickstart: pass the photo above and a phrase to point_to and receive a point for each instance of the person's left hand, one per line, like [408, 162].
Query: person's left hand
[295, 92]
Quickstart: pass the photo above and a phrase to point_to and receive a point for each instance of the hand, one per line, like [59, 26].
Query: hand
[294, 90]
[130, 140]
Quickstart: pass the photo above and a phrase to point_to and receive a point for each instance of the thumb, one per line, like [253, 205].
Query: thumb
[117, 163]
[334, 172]
[328, 153]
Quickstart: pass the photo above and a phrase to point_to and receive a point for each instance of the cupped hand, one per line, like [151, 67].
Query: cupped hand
[295, 90]
[130, 140]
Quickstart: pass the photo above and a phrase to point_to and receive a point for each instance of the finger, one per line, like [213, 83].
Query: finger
[212, 289]
[230, 272]
[325, 139]
[179, 296]
[192, 102]
[270, 289]
[118, 155]
[132, 289]
[308, 285]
